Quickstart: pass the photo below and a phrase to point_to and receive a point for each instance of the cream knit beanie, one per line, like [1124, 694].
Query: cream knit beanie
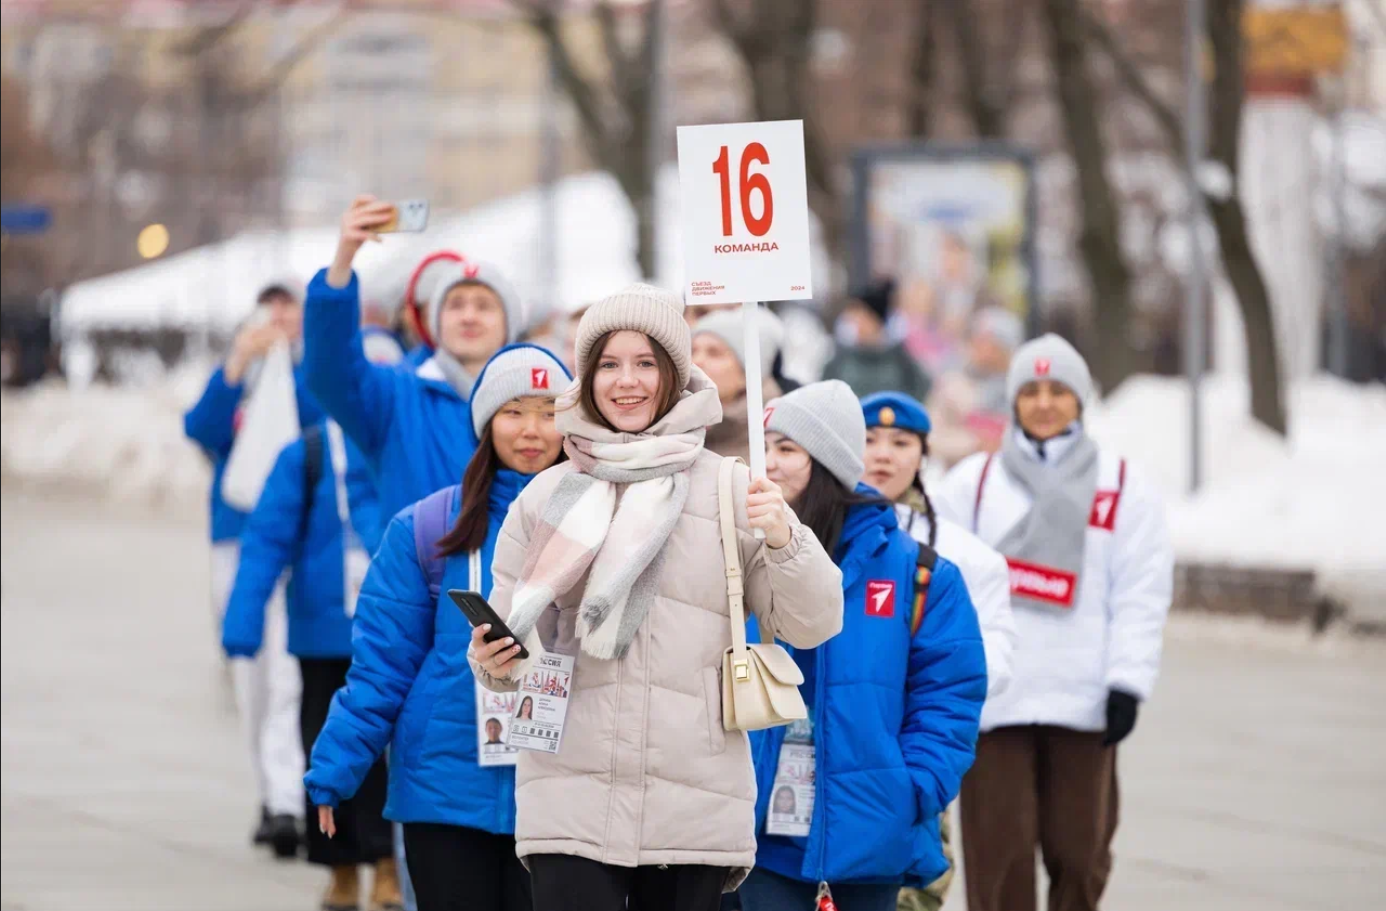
[640, 308]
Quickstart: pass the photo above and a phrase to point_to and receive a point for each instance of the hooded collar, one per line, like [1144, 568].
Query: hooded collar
[505, 487]
[865, 530]
[1052, 449]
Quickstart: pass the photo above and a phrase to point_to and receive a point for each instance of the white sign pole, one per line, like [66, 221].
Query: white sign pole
[755, 407]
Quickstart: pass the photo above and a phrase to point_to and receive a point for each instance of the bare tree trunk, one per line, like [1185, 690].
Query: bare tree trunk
[1238, 259]
[1228, 217]
[615, 117]
[773, 41]
[1099, 239]
[923, 70]
[988, 110]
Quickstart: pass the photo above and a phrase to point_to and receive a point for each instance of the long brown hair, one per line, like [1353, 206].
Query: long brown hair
[474, 519]
[669, 390]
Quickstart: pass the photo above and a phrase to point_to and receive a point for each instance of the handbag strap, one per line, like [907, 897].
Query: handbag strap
[731, 556]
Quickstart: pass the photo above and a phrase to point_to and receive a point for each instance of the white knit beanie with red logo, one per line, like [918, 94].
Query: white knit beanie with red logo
[1048, 357]
[448, 275]
[515, 372]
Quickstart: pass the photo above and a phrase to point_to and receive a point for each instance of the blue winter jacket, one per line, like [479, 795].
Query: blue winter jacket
[415, 432]
[417, 356]
[410, 686]
[279, 535]
[894, 717]
[211, 424]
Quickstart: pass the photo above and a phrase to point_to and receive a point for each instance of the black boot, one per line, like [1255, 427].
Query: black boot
[284, 836]
[261, 836]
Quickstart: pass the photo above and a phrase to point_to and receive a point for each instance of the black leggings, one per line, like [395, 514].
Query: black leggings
[454, 868]
[363, 834]
[564, 883]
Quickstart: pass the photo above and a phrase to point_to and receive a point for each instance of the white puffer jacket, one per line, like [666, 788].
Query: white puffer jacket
[1067, 659]
[988, 583]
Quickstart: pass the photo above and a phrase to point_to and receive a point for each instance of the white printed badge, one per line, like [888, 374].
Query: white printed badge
[542, 704]
[791, 796]
[493, 710]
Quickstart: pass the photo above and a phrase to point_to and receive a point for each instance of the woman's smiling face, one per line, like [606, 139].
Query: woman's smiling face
[626, 384]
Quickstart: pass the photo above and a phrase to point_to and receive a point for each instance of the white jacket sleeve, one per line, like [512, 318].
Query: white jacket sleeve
[1141, 588]
[991, 595]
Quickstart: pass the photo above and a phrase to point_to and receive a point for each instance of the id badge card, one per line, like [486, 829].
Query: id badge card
[493, 710]
[493, 713]
[791, 796]
[541, 705]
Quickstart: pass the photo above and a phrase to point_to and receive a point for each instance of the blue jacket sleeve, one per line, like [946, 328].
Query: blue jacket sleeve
[946, 687]
[211, 422]
[355, 393]
[390, 638]
[268, 546]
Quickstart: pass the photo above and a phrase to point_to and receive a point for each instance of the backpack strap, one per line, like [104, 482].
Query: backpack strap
[923, 573]
[312, 473]
[981, 485]
[430, 524]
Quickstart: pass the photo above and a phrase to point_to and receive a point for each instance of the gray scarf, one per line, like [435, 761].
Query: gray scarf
[450, 370]
[1051, 536]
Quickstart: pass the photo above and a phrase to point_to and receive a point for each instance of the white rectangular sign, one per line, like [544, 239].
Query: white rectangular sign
[745, 212]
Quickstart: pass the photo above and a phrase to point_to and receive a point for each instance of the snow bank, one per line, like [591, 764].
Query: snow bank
[124, 444]
[1316, 500]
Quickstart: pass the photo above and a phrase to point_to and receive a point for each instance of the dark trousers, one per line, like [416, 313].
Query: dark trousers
[363, 836]
[766, 891]
[564, 883]
[1038, 787]
[454, 868]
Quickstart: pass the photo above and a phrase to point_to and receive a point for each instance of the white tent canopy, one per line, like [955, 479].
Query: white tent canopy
[214, 287]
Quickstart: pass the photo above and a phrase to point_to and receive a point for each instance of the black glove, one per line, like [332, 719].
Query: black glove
[1121, 716]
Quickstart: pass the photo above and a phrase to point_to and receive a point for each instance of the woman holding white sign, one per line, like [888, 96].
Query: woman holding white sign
[451, 781]
[610, 568]
[894, 699]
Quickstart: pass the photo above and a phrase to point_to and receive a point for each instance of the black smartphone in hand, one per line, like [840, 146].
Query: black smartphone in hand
[478, 612]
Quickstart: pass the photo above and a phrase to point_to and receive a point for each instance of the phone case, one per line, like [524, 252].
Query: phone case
[411, 217]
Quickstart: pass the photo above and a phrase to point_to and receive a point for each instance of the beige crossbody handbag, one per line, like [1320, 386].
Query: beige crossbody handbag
[760, 683]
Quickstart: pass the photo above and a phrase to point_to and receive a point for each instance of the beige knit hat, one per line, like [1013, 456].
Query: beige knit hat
[640, 308]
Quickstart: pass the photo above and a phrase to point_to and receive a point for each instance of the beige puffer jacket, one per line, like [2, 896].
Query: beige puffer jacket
[645, 774]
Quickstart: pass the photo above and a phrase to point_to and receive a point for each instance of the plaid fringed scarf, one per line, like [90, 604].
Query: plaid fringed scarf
[583, 525]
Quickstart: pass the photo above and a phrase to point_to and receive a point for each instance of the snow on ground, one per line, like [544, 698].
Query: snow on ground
[124, 444]
[1313, 501]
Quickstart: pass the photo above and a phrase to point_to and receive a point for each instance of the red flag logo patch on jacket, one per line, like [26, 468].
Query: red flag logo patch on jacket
[880, 598]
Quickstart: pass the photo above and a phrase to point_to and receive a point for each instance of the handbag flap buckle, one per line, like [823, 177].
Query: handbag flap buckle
[741, 670]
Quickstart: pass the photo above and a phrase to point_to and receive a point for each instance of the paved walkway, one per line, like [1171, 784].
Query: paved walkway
[1255, 780]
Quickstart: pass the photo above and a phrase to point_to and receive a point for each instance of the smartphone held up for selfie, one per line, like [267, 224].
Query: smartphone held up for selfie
[477, 612]
[411, 217]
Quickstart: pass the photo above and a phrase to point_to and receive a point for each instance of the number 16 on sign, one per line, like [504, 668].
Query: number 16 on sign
[745, 212]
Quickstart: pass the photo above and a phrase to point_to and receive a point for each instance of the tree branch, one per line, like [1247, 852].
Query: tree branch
[286, 64]
[578, 89]
[620, 62]
[1135, 81]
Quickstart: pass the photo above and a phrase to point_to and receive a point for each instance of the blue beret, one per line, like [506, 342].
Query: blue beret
[895, 409]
